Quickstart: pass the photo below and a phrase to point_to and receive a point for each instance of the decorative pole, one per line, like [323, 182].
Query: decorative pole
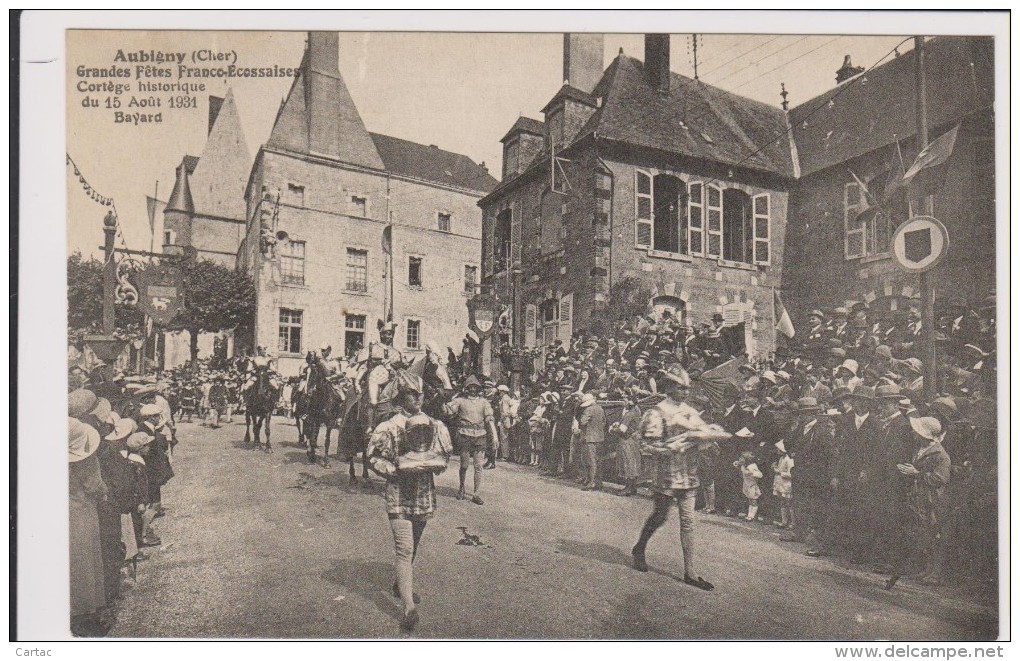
[109, 273]
[926, 285]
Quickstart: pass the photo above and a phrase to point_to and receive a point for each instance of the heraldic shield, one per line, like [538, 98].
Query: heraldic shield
[483, 310]
[162, 292]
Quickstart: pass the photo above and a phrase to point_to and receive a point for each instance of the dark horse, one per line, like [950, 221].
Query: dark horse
[323, 406]
[357, 414]
[259, 404]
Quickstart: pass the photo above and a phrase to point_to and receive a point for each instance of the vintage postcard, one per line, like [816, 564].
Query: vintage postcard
[667, 333]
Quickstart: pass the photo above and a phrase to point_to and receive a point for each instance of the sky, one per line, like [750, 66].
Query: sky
[460, 91]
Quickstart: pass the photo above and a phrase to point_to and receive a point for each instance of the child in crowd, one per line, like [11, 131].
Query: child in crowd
[782, 485]
[750, 472]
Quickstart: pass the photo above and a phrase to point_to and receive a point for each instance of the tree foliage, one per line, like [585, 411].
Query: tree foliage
[628, 298]
[216, 298]
[85, 301]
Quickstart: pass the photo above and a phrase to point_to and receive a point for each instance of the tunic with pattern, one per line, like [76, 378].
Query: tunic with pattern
[408, 495]
[659, 425]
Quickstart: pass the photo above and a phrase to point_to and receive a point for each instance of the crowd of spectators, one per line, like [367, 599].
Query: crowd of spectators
[121, 438]
[834, 438]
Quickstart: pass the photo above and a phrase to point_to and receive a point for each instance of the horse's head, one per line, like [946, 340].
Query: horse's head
[435, 373]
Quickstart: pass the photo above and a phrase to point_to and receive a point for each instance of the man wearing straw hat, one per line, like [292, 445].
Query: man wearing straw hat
[888, 489]
[672, 431]
[812, 445]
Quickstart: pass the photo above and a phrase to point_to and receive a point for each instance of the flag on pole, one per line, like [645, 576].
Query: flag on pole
[870, 206]
[783, 323]
[155, 208]
[387, 239]
[924, 172]
[894, 183]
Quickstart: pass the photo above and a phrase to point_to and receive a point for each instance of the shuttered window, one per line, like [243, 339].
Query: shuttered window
[696, 218]
[713, 211]
[853, 241]
[530, 324]
[643, 208]
[762, 233]
[566, 317]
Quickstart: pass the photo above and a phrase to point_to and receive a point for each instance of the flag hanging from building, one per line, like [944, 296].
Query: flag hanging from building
[783, 323]
[894, 181]
[925, 173]
[870, 205]
[387, 239]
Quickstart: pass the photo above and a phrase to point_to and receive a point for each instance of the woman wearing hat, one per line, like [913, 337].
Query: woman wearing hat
[87, 490]
[628, 433]
[410, 493]
[929, 473]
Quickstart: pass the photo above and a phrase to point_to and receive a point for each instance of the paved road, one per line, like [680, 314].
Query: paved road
[262, 545]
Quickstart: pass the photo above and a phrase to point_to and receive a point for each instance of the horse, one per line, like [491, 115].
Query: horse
[323, 406]
[259, 404]
[358, 418]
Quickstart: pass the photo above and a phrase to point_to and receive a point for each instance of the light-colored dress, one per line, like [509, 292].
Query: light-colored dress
[782, 485]
[751, 474]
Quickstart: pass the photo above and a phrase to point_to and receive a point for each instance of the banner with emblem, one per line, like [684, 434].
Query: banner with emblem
[483, 313]
[162, 292]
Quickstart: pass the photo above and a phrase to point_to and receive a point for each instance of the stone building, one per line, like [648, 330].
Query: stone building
[333, 210]
[695, 197]
[860, 128]
[639, 176]
[205, 213]
[204, 217]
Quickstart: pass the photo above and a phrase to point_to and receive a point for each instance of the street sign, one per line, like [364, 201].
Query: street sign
[162, 292]
[920, 243]
[483, 311]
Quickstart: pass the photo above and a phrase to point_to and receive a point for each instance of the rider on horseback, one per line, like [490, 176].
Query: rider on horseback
[376, 365]
[260, 361]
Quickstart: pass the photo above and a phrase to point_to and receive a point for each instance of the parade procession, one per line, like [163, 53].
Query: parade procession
[356, 386]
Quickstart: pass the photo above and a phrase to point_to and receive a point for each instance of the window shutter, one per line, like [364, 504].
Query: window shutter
[762, 249]
[530, 324]
[515, 236]
[853, 239]
[566, 318]
[713, 205]
[643, 209]
[696, 219]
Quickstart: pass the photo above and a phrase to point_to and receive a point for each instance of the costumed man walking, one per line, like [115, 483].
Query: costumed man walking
[672, 431]
[409, 449]
[475, 425]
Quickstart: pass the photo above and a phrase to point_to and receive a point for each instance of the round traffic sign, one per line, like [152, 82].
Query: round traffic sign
[920, 243]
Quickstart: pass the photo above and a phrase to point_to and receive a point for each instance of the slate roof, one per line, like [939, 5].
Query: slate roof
[692, 118]
[525, 125]
[410, 159]
[867, 111]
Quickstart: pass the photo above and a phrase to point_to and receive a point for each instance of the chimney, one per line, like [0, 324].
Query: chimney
[657, 61]
[847, 71]
[215, 103]
[324, 72]
[582, 60]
